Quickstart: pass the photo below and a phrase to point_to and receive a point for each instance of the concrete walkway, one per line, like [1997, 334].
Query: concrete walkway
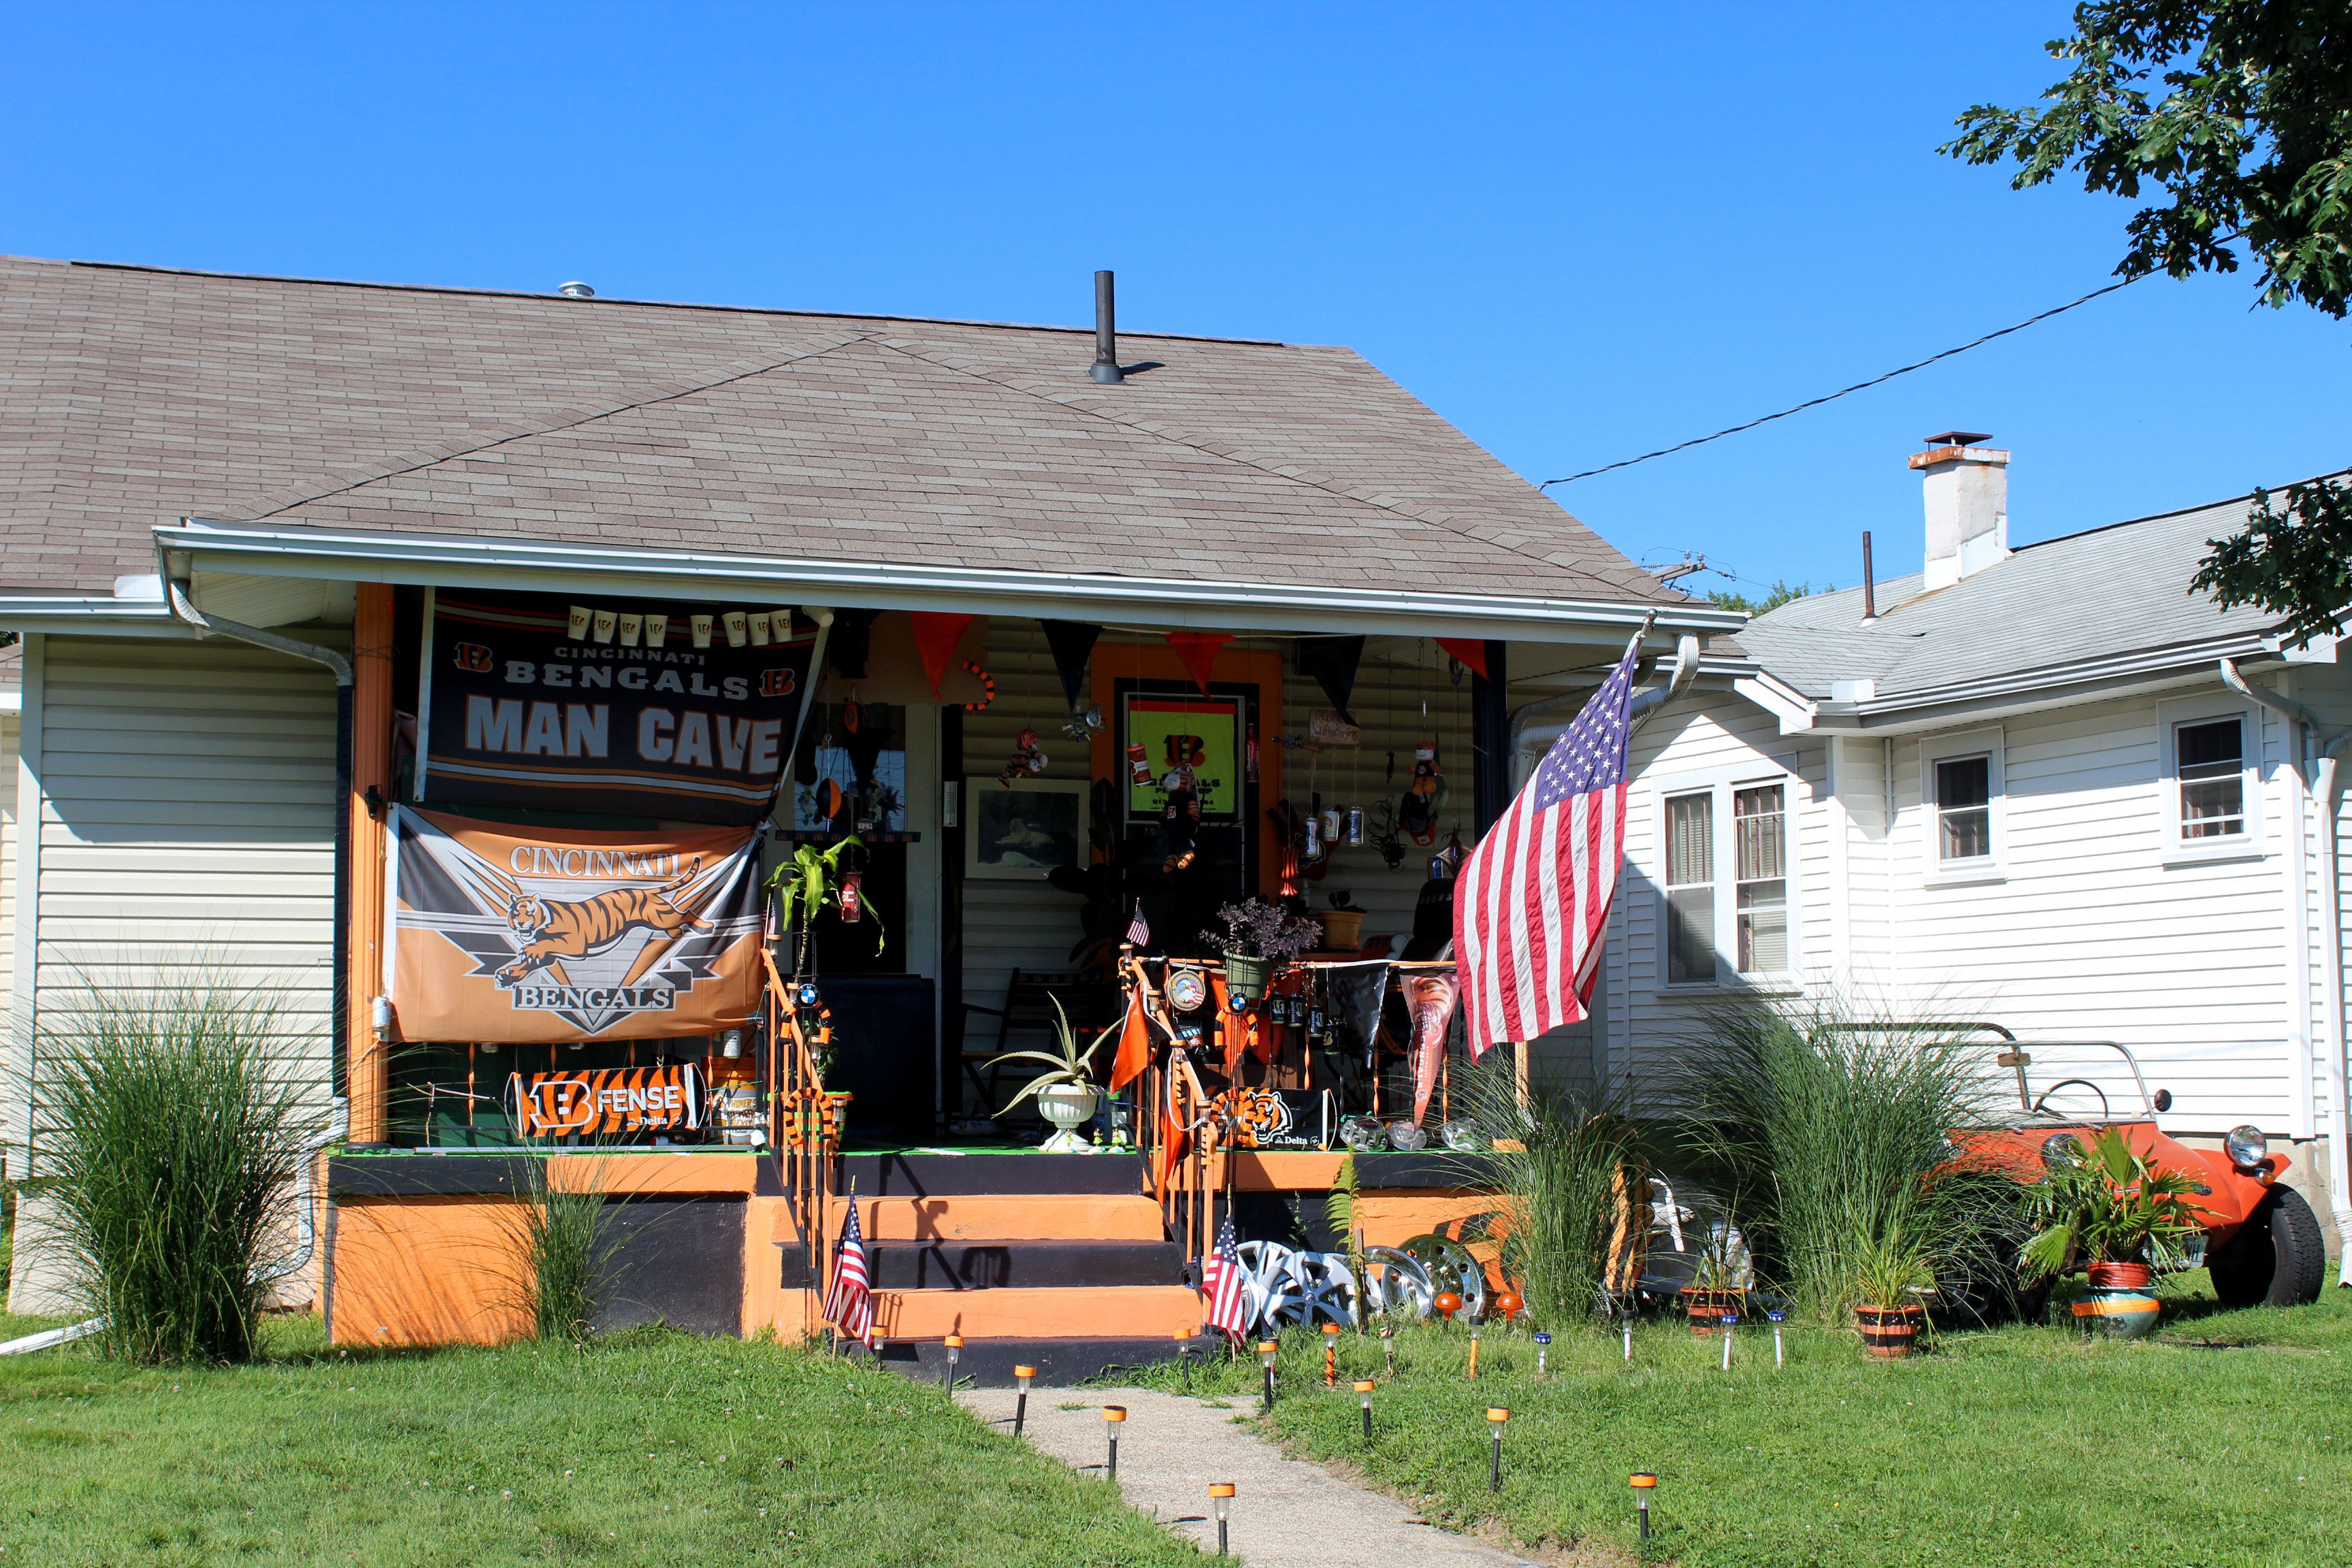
[1287, 1513]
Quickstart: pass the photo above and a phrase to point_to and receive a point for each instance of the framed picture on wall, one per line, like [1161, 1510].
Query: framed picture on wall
[1022, 833]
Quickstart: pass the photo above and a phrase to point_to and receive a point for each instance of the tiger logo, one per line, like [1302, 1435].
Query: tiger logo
[553, 929]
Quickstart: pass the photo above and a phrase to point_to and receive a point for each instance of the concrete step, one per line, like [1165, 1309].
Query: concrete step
[999, 1264]
[1054, 1217]
[1128, 1312]
[948, 1175]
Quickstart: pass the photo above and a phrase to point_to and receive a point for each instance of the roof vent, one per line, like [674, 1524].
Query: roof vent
[1105, 366]
[575, 290]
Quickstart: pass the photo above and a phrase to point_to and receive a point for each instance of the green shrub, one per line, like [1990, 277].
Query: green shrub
[567, 1241]
[172, 1135]
[1834, 1130]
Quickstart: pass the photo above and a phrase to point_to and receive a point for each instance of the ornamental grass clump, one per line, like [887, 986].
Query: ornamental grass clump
[1567, 1171]
[1834, 1130]
[567, 1238]
[171, 1133]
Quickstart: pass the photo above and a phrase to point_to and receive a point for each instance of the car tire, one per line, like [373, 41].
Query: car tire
[2278, 1258]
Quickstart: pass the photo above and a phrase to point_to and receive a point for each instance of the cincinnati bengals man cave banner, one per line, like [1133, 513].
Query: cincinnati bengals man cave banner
[679, 712]
[525, 935]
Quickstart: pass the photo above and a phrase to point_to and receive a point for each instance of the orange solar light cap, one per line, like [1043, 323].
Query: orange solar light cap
[1024, 1371]
[1220, 1489]
[1497, 1415]
[955, 1341]
[1365, 1386]
[1331, 1328]
[1644, 1480]
[1114, 1412]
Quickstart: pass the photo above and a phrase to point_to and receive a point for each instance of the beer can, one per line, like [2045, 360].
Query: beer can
[1332, 827]
[1355, 827]
[1314, 836]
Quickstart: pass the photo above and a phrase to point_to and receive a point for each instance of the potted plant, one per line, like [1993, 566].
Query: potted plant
[2112, 1211]
[1342, 923]
[1256, 939]
[1890, 1272]
[1066, 1097]
[1719, 1280]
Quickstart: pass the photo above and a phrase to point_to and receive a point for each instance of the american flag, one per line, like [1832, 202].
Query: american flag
[1221, 1282]
[1531, 899]
[1139, 930]
[849, 1305]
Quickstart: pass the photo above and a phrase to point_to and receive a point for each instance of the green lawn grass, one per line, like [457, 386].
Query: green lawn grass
[2029, 1446]
[654, 1448]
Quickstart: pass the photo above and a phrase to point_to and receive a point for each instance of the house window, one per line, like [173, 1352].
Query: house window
[1759, 834]
[2210, 762]
[1963, 809]
[1690, 889]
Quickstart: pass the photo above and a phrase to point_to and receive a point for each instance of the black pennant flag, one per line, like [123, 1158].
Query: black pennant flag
[1072, 642]
[1332, 662]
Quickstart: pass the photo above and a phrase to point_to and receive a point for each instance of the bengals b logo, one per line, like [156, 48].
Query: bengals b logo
[472, 657]
[1186, 750]
[778, 683]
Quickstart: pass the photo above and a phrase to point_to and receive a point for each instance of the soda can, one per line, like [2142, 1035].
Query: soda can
[1355, 825]
[1332, 827]
[1314, 837]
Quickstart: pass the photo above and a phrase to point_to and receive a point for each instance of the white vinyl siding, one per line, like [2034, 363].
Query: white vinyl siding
[186, 830]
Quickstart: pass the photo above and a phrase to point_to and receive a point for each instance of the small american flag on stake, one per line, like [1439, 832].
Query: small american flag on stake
[1532, 899]
[1221, 1282]
[849, 1305]
[1139, 930]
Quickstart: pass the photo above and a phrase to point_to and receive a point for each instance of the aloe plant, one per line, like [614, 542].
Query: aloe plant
[1067, 1064]
[2109, 1205]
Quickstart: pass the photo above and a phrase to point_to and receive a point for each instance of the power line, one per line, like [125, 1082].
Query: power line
[1845, 391]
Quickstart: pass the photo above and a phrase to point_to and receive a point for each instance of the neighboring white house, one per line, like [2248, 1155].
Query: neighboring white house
[2025, 789]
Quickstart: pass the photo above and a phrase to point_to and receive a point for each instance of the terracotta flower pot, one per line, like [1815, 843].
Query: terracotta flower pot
[2121, 1276]
[1708, 1309]
[1888, 1333]
[1343, 930]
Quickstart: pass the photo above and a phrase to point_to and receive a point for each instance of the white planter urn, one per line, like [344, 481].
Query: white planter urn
[1069, 1106]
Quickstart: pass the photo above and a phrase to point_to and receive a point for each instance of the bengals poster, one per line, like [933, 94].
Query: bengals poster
[679, 711]
[529, 936]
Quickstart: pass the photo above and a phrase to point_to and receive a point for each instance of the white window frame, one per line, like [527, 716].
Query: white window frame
[1723, 787]
[1954, 746]
[2171, 715]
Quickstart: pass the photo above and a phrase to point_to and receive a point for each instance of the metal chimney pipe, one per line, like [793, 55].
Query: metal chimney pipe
[1105, 366]
[1869, 582]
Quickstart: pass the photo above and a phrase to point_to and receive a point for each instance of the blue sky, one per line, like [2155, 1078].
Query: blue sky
[1576, 232]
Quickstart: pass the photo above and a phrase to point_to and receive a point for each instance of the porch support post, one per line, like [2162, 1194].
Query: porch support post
[367, 1062]
[1490, 738]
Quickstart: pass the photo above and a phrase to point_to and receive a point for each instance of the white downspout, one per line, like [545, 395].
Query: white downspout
[2339, 1071]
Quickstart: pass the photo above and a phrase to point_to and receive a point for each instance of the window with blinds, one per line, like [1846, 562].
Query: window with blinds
[1690, 887]
[1963, 809]
[1760, 878]
[2211, 759]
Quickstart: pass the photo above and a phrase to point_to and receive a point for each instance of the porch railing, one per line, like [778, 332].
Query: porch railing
[803, 1126]
[1183, 1137]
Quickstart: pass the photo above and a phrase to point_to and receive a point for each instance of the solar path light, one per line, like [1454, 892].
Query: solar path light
[1628, 1333]
[1388, 1346]
[955, 1349]
[1730, 1326]
[1266, 1351]
[1114, 1416]
[1644, 1483]
[1779, 1358]
[1021, 1374]
[1543, 1350]
[1330, 1355]
[1220, 1498]
[1184, 1357]
[1496, 1416]
[1364, 1398]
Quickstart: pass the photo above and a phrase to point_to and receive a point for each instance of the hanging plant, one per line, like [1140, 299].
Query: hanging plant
[812, 880]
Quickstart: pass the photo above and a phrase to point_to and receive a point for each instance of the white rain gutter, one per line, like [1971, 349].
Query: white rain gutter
[198, 545]
[2339, 1070]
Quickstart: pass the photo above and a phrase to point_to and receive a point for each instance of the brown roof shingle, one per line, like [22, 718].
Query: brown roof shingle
[131, 396]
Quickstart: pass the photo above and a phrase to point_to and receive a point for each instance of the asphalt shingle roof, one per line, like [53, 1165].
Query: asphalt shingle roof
[132, 396]
[2119, 589]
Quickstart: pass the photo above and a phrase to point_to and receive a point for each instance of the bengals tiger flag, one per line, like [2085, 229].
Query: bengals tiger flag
[508, 934]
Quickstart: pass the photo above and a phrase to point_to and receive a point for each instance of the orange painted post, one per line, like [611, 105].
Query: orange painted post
[366, 1058]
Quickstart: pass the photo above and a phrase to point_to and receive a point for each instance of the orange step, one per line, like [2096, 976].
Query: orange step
[1083, 1216]
[1140, 1312]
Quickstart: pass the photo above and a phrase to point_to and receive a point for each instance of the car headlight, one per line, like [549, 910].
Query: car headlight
[2247, 1147]
[2061, 1149]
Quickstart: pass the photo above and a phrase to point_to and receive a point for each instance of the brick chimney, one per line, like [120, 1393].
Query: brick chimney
[1966, 490]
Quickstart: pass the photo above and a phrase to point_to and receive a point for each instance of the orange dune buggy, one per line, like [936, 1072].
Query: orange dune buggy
[2261, 1242]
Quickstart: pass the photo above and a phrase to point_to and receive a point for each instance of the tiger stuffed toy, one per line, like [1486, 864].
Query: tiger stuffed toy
[553, 929]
